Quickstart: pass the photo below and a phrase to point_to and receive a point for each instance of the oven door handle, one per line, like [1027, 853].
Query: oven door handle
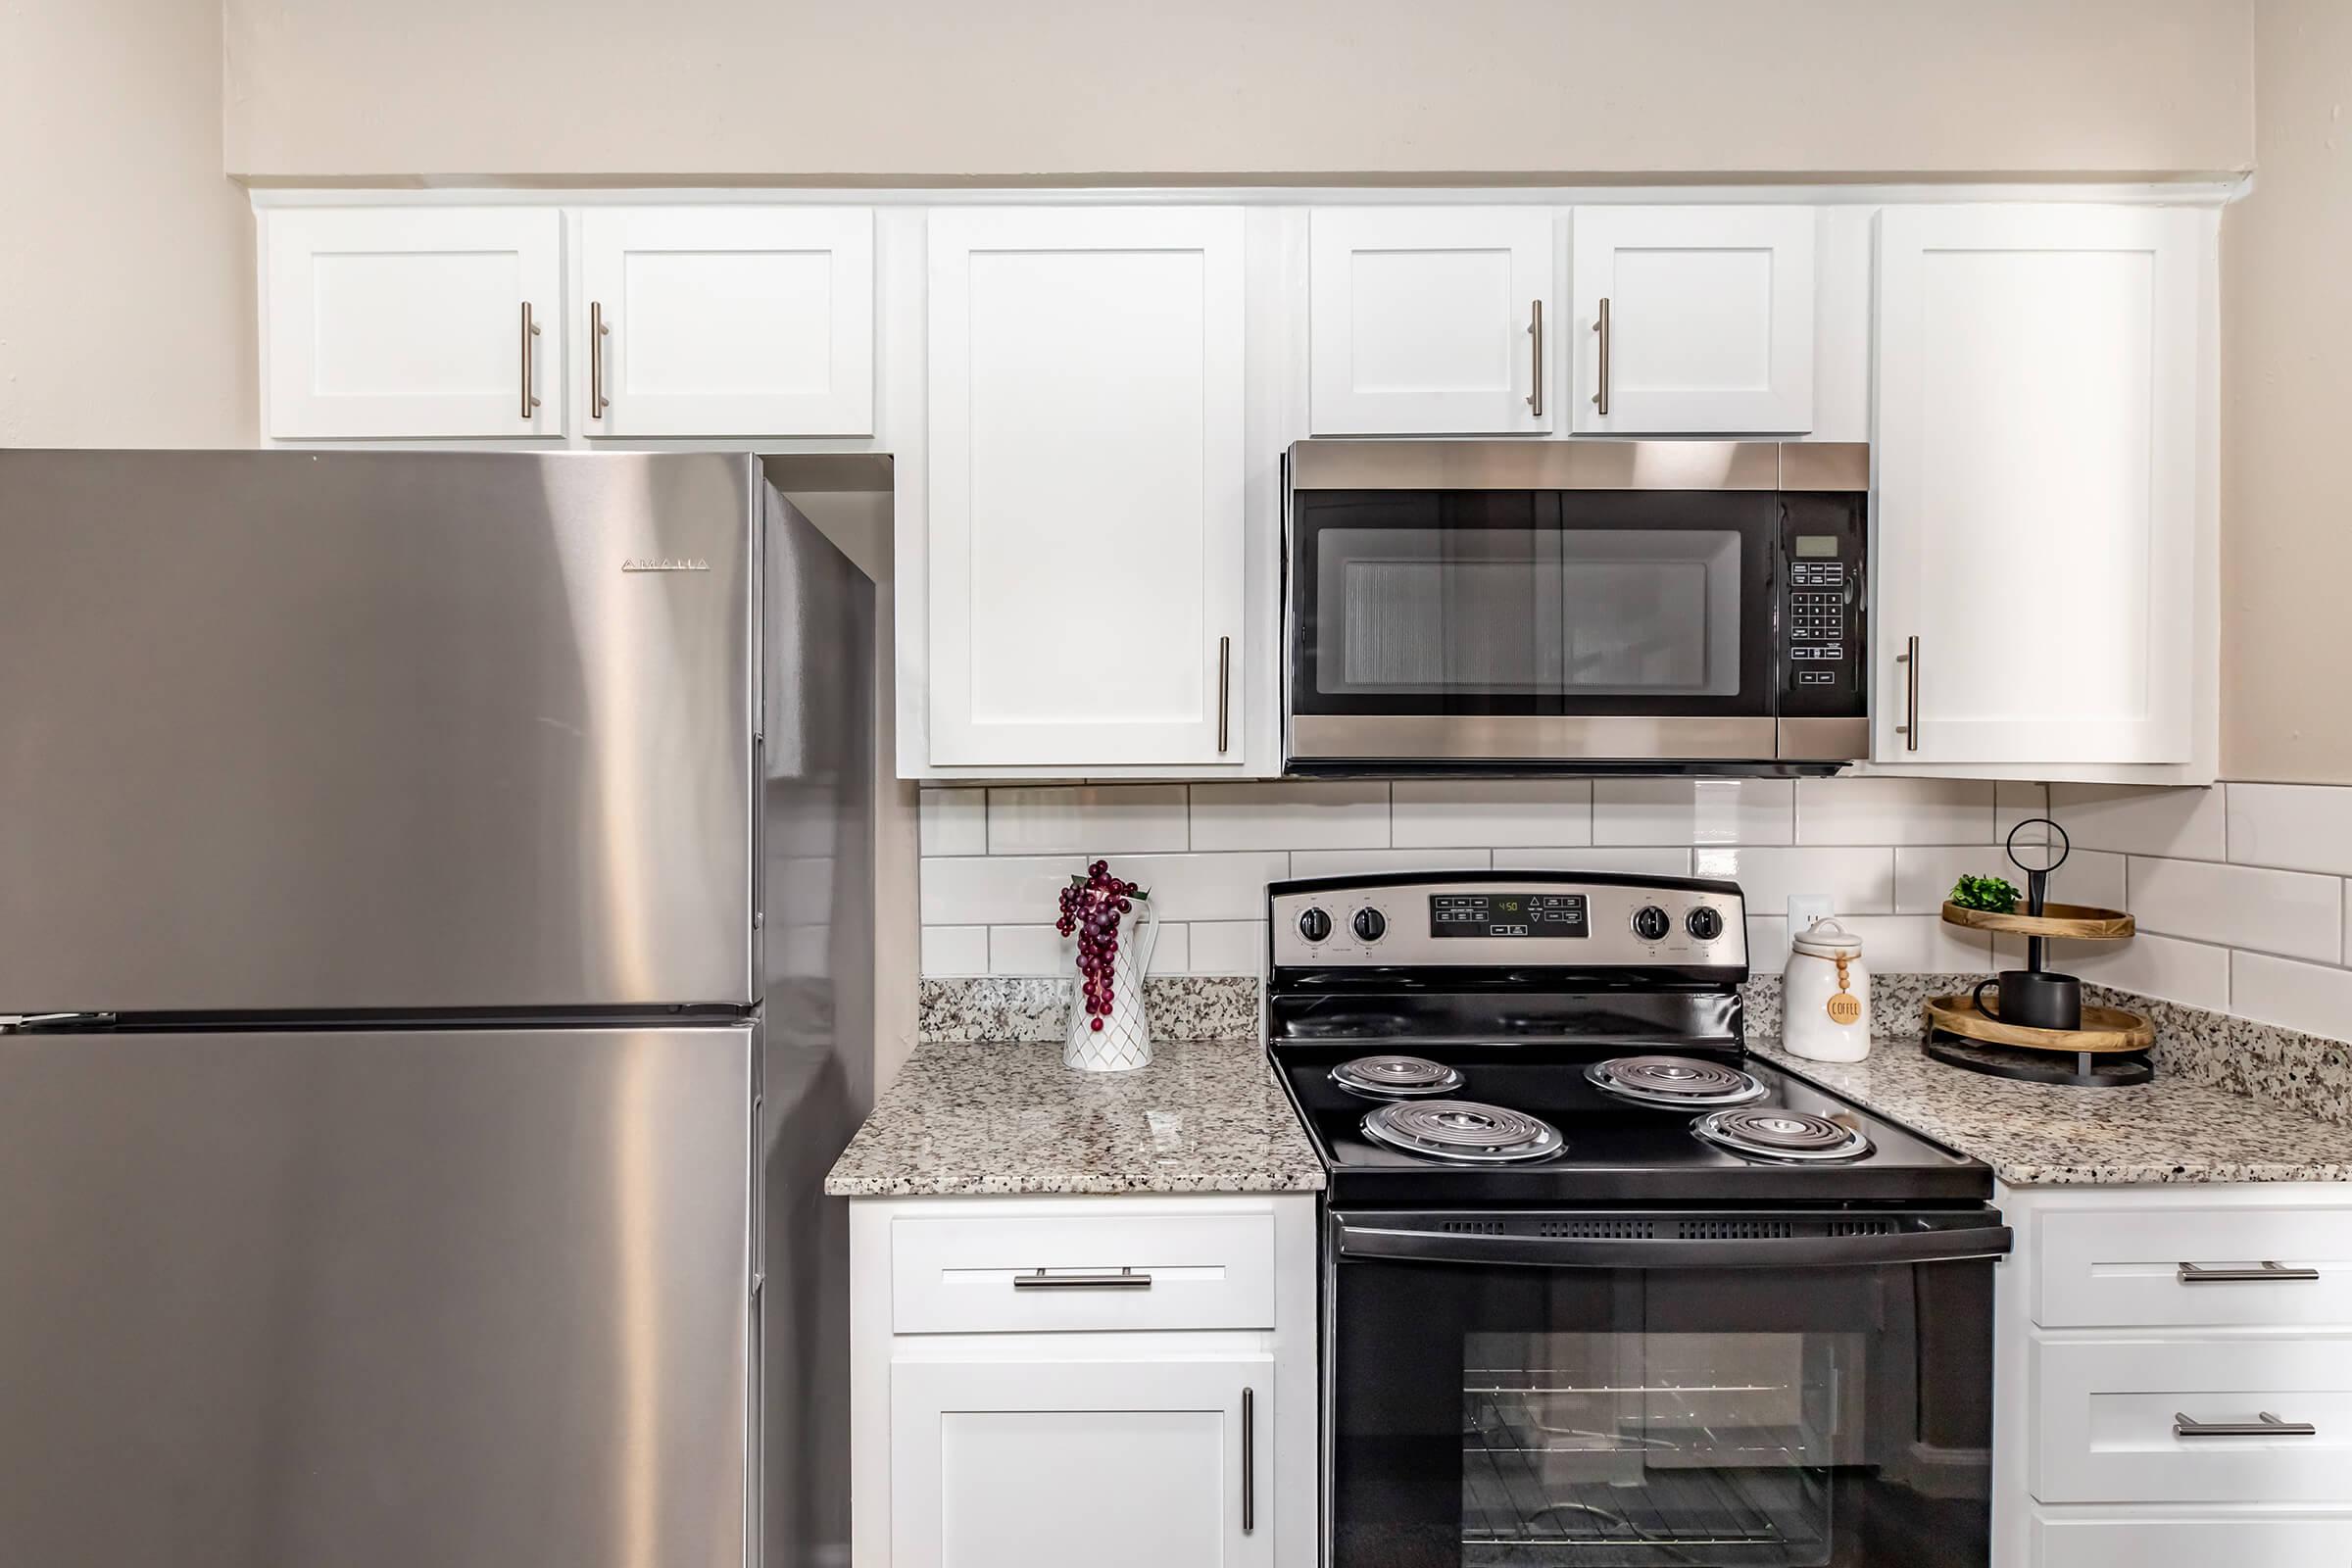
[1579, 1251]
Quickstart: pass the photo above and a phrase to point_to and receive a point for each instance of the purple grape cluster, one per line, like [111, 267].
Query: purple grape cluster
[1091, 907]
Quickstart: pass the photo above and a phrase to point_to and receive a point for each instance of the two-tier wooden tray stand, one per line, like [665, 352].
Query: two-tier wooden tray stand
[2111, 1047]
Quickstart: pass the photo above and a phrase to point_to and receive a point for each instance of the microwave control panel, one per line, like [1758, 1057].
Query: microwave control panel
[1823, 607]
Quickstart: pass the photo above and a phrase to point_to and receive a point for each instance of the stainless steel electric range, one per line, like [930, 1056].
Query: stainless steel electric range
[1600, 1288]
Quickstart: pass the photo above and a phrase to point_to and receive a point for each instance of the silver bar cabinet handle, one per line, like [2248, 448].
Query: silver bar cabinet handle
[2266, 1426]
[1125, 1279]
[2201, 1274]
[1248, 1460]
[1224, 693]
[1909, 730]
[1534, 330]
[530, 330]
[598, 330]
[1600, 324]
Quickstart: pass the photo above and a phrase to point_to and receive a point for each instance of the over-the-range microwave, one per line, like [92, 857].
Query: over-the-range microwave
[1579, 607]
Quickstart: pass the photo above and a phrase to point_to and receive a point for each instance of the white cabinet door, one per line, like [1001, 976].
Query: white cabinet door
[414, 321]
[728, 321]
[2037, 489]
[1430, 320]
[1077, 1463]
[1085, 490]
[1710, 320]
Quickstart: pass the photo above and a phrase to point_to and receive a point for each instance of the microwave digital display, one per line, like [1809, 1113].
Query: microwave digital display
[1816, 546]
[1509, 914]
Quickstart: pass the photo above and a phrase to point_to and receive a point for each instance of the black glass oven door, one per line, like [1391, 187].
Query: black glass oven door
[1592, 604]
[1605, 1413]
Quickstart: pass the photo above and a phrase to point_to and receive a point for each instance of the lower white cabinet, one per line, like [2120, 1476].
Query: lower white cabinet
[1063, 1463]
[2174, 1378]
[1056, 1382]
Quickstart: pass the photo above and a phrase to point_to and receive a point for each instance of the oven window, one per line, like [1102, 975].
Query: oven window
[1525, 1417]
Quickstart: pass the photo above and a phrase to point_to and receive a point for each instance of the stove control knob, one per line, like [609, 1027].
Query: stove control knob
[1705, 924]
[1314, 925]
[1652, 923]
[1370, 925]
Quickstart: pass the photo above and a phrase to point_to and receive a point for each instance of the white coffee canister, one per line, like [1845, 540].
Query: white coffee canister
[1825, 996]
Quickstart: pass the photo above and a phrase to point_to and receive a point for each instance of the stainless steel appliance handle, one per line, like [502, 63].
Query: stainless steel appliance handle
[1248, 1460]
[1600, 324]
[1125, 1279]
[1579, 1251]
[2267, 1426]
[1909, 728]
[2203, 1274]
[598, 330]
[1535, 385]
[1224, 691]
[530, 330]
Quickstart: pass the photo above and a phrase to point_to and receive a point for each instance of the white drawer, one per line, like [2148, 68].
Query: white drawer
[2120, 1267]
[2104, 1411]
[2175, 1542]
[1111, 1271]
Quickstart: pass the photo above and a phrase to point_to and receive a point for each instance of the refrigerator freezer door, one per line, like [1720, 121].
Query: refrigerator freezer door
[377, 1300]
[361, 730]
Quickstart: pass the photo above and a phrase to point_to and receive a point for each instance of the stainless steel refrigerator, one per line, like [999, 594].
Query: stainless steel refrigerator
[438, 890]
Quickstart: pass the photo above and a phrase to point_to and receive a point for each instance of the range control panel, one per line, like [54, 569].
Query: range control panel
[1823, 606]
[1502, 919]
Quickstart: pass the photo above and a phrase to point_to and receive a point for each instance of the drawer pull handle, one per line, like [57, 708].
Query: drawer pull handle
[2267, 1426]
[2201, 1274]
[1125, 1279]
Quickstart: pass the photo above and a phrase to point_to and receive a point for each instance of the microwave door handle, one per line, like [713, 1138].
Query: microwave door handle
[1579, 1251]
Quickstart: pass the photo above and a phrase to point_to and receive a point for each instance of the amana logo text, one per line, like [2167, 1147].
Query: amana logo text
[665, 563]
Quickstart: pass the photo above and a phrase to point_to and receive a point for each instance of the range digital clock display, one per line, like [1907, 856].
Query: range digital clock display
[1509, 914]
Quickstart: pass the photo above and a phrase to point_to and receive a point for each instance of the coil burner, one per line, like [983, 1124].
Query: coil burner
[1674, 1083]
[1769, 1132]
[1395, 1077]
[1460, 1132]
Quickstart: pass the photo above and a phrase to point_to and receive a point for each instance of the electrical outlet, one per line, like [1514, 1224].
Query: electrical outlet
[1806, 907]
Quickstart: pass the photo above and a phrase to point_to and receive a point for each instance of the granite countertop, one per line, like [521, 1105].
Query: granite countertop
[996, 1117]
[2167, 1130]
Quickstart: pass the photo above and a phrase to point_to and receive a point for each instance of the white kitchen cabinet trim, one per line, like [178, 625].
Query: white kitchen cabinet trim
[1710, 319]
[409, 323]
[1432, 320]
[1085, 491]
[2037, 452]
[727, 321]
[1072, 1463]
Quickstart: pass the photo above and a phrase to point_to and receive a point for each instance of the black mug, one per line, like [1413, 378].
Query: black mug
[2035, 999]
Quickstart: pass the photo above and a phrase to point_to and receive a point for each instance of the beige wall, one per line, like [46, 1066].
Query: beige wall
[2286, 415]
[125, 255]
[1013, 88]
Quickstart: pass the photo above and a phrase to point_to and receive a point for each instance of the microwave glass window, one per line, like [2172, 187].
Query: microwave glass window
[1650, 613]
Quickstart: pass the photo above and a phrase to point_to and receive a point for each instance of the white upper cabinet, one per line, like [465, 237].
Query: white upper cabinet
[407, 322]
[727, 321]
[2037, 444]
[1692, 320]
[1084, 546]
[1431, 320]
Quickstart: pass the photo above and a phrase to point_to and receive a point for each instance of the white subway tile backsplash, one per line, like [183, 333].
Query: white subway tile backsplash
[1206, 887]
[1918, 944]
[2288, 912]
[954, 950]
[1292, 815]
[2301, 996]
[1693, 811]
[2014, 803]
[1894, 811]
[952, 821]
[1857, 880]
[1229, 947]
[1348, 862]
[1030, 950]
[1171, 950]
[2096, 877]
[2154, 965]
[1924, 874]
[1767, 944]
[1087, 820]
[1441, 812]
[2187, 825]
[1619, 859]
[2302, 827]
[996, 889]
